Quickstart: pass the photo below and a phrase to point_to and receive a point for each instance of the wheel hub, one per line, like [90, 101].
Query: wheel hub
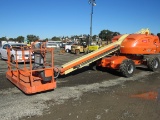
[130, 69]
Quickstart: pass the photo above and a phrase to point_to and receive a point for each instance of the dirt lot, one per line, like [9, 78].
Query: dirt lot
[85, 95]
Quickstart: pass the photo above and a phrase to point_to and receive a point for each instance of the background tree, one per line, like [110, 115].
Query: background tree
[12, 39]
[94, 37]
[116, 33]
[107, 35]
[32, 38]
[103, 34]
[55, 38]
[20, 39]
[46, 39]
[3, 39]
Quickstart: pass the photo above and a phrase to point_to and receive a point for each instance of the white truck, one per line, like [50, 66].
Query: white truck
[68, 47]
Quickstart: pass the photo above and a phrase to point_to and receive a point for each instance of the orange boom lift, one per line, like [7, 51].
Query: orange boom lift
[136, 50]
[125, 53]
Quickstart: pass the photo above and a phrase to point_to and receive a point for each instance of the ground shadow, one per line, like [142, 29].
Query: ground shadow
[87, 68]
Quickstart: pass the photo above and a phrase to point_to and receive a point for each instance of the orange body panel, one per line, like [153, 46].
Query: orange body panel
[115, 61]
[112, 62]
[140, 44]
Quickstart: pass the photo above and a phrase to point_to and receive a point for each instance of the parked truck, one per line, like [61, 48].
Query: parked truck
[68, 46]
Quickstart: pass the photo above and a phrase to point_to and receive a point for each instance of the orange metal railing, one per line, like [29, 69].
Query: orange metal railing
[33, 77]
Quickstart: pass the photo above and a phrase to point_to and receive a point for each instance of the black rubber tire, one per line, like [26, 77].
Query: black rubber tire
[153, 64]
[127, 68]
[12, 59]
[77, 52]
[67, 51]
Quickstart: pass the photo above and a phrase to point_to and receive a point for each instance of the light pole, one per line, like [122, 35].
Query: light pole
[93, 3]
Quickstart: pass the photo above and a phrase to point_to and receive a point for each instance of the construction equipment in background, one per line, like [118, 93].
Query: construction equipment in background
[83, 47]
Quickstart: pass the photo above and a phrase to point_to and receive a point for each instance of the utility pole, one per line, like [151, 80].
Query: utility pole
[93, 3]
